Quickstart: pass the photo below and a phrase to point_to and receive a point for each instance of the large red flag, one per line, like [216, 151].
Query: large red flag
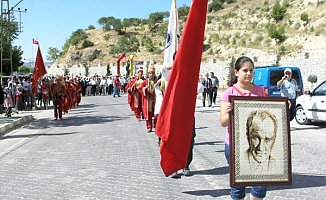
[39, 70]
[176, 119]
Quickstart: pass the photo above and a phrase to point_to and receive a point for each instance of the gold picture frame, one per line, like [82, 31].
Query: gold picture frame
[260, 144]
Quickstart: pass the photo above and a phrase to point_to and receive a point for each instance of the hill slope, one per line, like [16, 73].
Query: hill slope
[238, 29]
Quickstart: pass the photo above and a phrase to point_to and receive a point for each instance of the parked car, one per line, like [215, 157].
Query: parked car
[312, 105]
[267, 77]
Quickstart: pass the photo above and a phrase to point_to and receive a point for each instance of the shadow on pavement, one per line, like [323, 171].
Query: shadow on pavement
[212, 193]
[214, 171]
[210, 143]
[299, 181]
[34, 135]
[302, 181]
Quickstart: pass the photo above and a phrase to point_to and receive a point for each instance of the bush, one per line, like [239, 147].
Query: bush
[278, 11]
[87, 43]
[276, 32]
[312, 78]
[305, 17]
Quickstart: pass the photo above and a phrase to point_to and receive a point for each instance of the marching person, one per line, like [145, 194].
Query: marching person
[148, 99]
[59, 91]
[136, 94]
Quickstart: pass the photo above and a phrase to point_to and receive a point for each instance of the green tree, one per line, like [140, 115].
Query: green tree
[127, 69]
[125, 44]
[126, 22]
[66, 71]
[183, 11]
[229, 67]
[77, 36]
[87, 43]
[86, 66]
[91, 27]
[108, 70]
[118, 27]
[8, 36]
[305, 17]
[278, 11]
[53, 54]
[215, 6]
[156, 17]
[276, 32]
[25, 70]
[148, 43]
[102, 21]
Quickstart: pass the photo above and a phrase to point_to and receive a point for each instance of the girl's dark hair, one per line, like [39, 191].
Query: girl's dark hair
[237, 66]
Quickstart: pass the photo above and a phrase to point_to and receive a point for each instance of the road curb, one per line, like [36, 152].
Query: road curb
[15, 123]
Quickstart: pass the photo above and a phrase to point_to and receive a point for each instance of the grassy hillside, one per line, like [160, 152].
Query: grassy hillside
[239, 29]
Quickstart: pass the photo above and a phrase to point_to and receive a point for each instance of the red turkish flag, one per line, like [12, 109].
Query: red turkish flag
[39, 70]
[35, 41]
[176, 118]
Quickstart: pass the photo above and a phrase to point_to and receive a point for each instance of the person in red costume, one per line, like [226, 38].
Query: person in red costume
[129, 92]
[136, 94]
[148, 99]
[58, 91]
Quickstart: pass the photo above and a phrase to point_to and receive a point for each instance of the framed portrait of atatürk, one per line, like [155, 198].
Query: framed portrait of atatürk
[260, 145]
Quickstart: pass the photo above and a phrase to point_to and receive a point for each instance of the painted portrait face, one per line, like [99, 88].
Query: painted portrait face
[262, 136]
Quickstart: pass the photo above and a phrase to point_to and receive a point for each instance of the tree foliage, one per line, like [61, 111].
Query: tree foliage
[8, 35]
[276, 32]
[218, 4]
[77, 36]
[305, 17]
[278, 11]
[148, 43]
[157, 17]
[53, 54]
[91, 27]
[125, 44]
[87, 43]
[25, 70]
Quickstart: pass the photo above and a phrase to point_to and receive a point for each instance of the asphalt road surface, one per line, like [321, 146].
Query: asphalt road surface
[100, 151]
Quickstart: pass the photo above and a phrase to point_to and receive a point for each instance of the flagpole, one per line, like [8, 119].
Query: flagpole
[176, 18]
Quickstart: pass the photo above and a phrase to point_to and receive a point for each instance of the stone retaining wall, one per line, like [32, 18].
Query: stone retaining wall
[312, 66]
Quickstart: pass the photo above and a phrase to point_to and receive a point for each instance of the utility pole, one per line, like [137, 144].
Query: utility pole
[6, 35]
[20, 17]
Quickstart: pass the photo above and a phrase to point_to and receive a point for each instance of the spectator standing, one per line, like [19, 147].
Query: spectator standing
[207, 83]
[93, 85]
[8, 101]
[215, 86]
[39, 94]
[1, 98]
[289, 88]
[103, 86]
[110, 83]
[116, 86]
[45, 94]
[20, 105]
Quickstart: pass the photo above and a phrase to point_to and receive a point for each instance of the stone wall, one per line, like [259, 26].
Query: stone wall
[315, 66]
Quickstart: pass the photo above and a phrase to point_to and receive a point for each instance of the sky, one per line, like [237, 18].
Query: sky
[52, 22]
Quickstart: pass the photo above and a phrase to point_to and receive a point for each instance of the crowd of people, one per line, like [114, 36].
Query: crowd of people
[63, 91]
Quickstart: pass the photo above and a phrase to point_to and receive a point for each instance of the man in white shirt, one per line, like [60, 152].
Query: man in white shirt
[103, 86]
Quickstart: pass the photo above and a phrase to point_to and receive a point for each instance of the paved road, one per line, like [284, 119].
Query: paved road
[100, 151]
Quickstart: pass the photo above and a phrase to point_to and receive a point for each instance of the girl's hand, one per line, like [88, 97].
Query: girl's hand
[228, 107]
